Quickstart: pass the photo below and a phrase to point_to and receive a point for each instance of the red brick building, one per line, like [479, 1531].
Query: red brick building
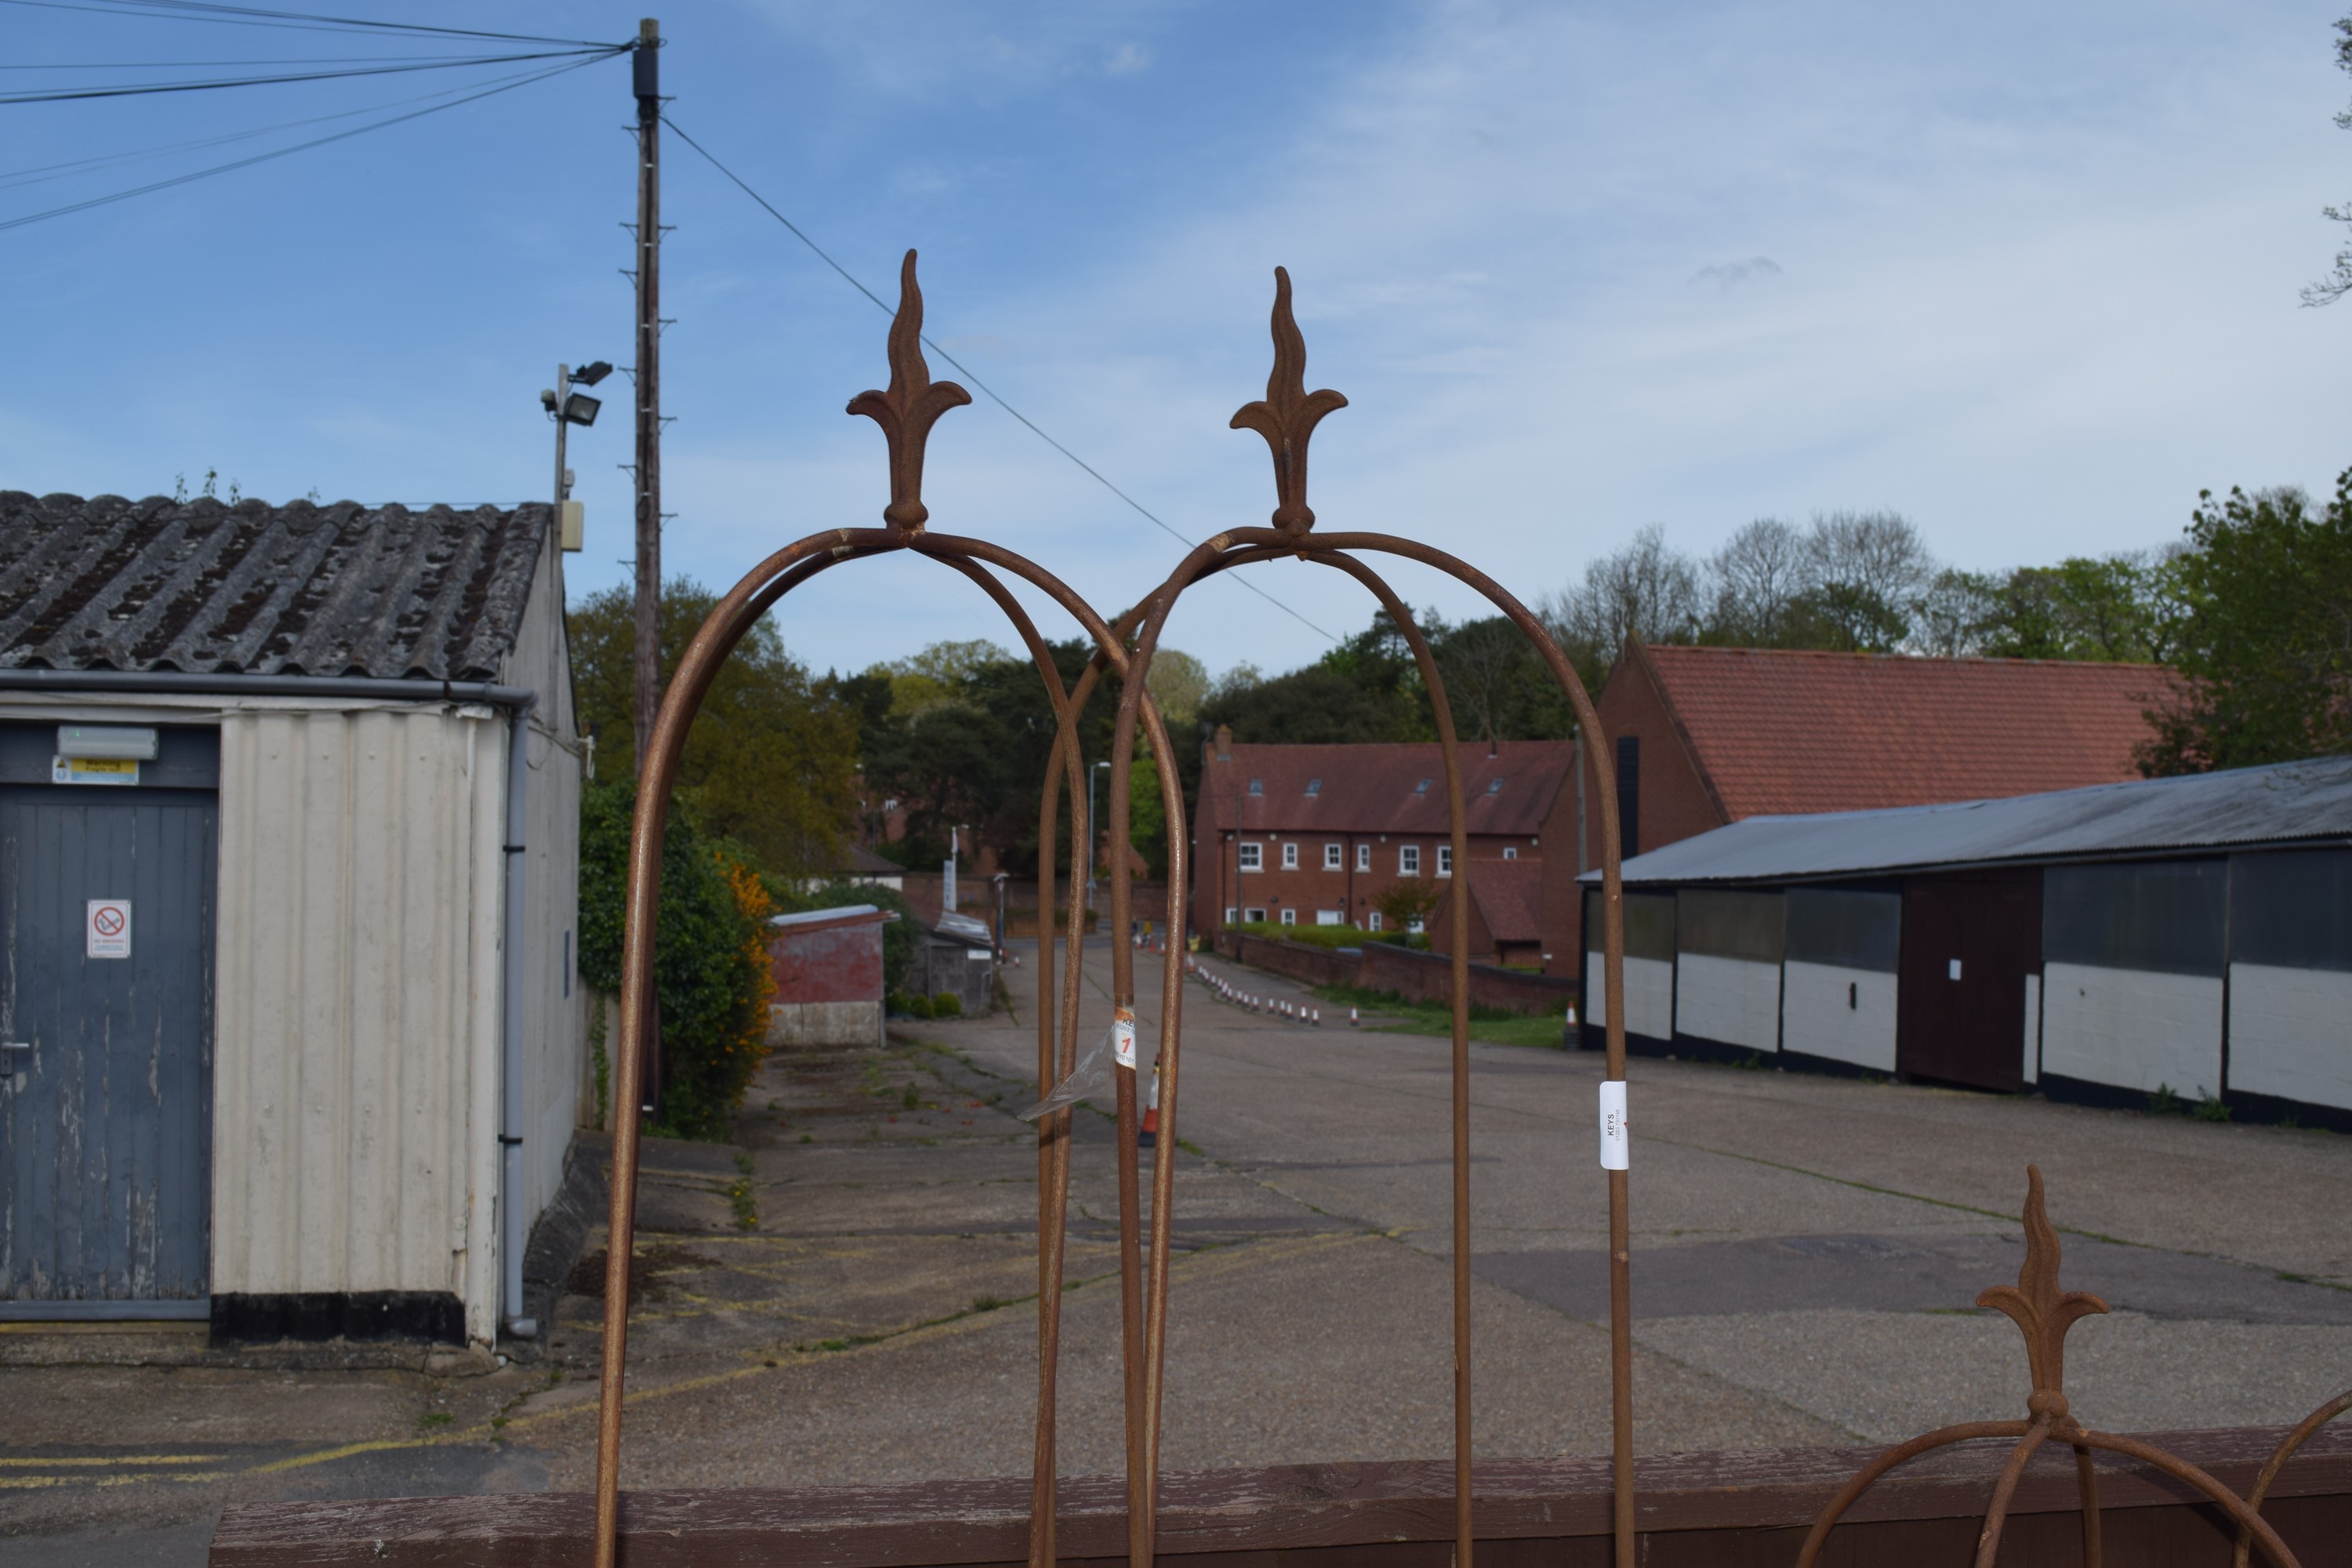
[1313, 835]
[1705, 736]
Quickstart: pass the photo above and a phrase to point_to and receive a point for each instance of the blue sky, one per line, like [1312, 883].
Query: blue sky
[2025, 273]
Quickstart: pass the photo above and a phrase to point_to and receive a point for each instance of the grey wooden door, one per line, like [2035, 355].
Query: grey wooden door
[106, 1087]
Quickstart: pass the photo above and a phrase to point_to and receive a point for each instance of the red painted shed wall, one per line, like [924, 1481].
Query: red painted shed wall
[837, 963]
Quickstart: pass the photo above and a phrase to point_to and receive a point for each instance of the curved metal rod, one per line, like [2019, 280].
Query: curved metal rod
[1861, 1480]
[1202, 563]
[1107, 639]
[719, 631]
[2181, 1469]
[2286, 1450]
[1997, 1511]
[1053, 1130]
[2086, 1483]
[1240, 546]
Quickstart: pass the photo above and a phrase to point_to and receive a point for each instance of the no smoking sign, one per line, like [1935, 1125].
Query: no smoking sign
[106, 931]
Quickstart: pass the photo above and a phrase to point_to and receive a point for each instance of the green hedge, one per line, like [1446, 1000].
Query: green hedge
[712, 973]
[1327, 936]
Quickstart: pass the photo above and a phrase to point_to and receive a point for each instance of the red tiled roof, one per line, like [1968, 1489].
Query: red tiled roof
[1376, 788]
[1782, 732]
[1511, 895]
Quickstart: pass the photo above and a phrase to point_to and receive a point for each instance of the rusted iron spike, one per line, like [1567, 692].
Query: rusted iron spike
[1287, 415]
[912, 406]
[2041, 1312]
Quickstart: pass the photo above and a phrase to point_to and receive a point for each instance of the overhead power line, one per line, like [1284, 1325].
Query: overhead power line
[965, 370]
[208, 84]
[488, 91]
[294, 21]
[42, 174]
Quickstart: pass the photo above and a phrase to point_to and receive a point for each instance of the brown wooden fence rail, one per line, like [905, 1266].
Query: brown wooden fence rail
[1693, 1510]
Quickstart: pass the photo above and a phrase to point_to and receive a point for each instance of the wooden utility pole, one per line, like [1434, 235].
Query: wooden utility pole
[647, 671]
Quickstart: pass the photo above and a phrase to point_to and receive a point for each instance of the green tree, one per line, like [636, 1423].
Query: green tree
[770, 759]
[2119, 609]
[712, 975]
[2266, 634]
[1146, 817]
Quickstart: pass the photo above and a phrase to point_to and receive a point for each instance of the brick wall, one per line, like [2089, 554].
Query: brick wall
[1674, 800]
[1417, 977]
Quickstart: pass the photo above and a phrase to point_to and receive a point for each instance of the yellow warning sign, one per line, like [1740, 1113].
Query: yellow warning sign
[94, 771]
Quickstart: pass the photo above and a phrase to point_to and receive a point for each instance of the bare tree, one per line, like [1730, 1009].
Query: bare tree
[1756, 581]
[2339, 281]
[1876, 552]
[1952, 618]
[1648, 589]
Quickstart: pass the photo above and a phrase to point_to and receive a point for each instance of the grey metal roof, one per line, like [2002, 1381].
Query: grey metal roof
[2285, 803]
[204, 587]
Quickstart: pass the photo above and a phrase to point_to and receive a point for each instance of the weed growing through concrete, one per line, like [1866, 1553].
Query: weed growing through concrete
[741, 1198]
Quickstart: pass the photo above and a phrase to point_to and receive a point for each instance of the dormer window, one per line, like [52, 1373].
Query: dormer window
[1257, 786]
[1313, 786]
[1420, 788]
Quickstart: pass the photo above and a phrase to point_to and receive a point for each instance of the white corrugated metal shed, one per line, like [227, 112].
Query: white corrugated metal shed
[2287, 803]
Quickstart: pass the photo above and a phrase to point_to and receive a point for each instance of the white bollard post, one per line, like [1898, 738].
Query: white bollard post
[1317, 1019]
[1352, 1017]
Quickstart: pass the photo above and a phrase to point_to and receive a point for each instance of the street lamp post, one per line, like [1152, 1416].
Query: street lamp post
[1092, 840]
[568, 408]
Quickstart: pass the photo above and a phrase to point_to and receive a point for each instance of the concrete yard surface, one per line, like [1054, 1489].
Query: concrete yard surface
[848, 1291]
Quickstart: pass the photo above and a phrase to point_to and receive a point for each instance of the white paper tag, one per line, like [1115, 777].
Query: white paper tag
[1122, 1038]
[1614, 1142]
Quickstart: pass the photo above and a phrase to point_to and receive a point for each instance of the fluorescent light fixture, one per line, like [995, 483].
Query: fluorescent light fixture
[120, 742]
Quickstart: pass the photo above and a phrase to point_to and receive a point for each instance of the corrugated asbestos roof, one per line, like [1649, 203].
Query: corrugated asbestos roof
[1784, 730]
[2287, 803]
[1377, 789]
[203, 588]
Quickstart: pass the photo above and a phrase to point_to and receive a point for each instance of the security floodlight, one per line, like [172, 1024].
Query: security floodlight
[590, 374]
[581, 409]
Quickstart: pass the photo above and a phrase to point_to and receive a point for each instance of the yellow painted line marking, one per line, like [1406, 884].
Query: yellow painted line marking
[118, 1459]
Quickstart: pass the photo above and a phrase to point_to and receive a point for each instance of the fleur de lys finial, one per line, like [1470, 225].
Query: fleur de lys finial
[2041, 1312]
[1288, 414]
[909, 408]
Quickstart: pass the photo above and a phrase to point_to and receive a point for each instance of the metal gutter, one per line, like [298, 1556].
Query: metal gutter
[519, 701]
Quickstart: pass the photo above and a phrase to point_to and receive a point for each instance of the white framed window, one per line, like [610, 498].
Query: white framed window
[1364, 858]
[1253, 857]
[1372, 921]
[1414, 925]
[1330, 917]
[1510, 851]
[1254, 917]
[1231, 914]
[1290, 856]
[1446, 859]
[1290, 917]
[1331, 854]
[1409, 860]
